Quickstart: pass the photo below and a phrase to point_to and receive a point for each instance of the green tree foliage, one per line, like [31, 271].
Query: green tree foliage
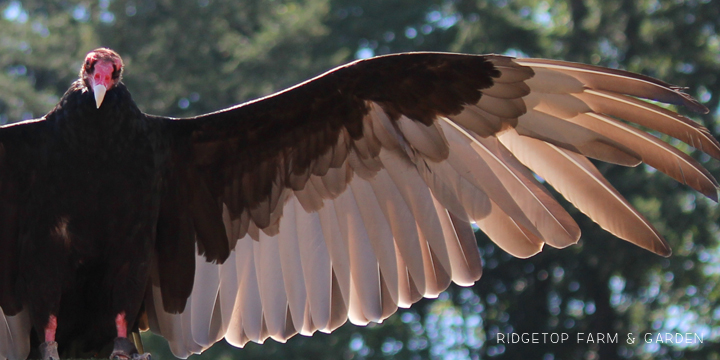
[196, 56]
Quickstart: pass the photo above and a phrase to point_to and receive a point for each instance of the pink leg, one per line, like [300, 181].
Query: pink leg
[50, 329]
[121, 325]
[48, 349]
[124, 348]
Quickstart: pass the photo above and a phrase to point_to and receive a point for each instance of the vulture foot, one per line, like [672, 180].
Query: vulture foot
[49, 350]
[124, 349]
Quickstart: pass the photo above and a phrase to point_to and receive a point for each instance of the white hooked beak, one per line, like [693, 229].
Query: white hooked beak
[99, 91]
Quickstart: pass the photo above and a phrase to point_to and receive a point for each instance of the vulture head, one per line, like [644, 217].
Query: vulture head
[101, 71]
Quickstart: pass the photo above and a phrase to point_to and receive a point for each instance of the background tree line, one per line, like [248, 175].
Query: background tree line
[195, 56]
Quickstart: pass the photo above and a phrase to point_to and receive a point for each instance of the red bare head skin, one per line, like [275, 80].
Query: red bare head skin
[101, 71]
[102, 66]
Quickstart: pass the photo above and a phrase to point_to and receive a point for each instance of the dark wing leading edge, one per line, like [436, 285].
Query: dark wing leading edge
[19, 144]
[352, 194]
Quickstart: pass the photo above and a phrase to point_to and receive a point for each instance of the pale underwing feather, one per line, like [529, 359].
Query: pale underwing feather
[469, 247]
[617, 81]
[316, 267]
[404, 300]
[309, 198]
[549, 81]
[402, 224]
[190, 344]
[512, 90]
[471, 166]
[653, 117]
[657, 153]
[436, 278]
[646, 148]
[505, 108]
[364, 168]
[510, 71]
[228, 290]
[480, 121]
[291, 264]
[14, 342]
[355, 312]
[337, 249]
[552, 219]
[428, 140]
[363, 263]
[379, 234]
[383, 128]
[250, 309]
[509, 235]
[558, 131]
[204, 296]
[582, 184]
[463, 268]
[417, 196]
[455, 193]
[270, 282]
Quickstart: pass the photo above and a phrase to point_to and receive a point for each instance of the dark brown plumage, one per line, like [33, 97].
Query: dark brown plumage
[343, 197]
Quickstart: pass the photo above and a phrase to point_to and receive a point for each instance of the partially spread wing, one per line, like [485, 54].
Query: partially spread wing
[18, 149]
[353, 193]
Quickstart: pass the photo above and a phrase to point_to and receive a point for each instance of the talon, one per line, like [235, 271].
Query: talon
[49, 350]
[123, 349]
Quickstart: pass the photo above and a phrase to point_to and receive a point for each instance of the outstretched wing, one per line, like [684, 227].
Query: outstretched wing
[352, 194]
[19, 144]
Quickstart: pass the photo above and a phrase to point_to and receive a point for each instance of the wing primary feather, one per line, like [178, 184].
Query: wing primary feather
[653, 117]
[571, 136]
[645, 147]
[660, 155]
[582, 184]
[618, 81]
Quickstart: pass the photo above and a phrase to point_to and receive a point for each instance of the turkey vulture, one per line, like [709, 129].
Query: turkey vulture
[345, 196]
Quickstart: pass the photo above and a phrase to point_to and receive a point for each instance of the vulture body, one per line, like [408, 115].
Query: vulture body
[341, 198]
